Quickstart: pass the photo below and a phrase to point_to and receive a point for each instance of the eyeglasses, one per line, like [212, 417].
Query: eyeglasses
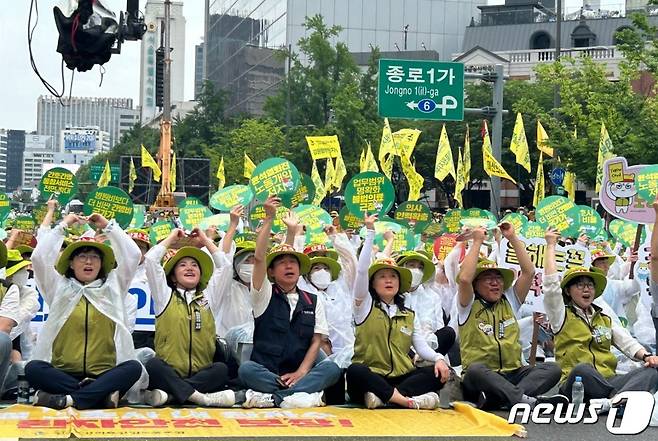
[583, 285]
[493, 278]
[91, 257]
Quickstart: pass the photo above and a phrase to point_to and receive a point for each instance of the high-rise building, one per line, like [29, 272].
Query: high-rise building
[152, 40]
[198, 70]
[3, 159]
[89, 139]
[241, 34]
[113, 115]
[38, 151]
[15, 148]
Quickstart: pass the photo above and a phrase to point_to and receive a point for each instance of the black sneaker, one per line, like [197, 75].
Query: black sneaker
[53, 401]
[552, 399]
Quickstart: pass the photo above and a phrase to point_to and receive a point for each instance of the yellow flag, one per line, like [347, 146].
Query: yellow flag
[340, 172]
[329, 175]
[387, 166]
[460, 184]
[605, 153]
[322, 147]
[132, 176]
[491, 165]
[467, 157]
[414, 178]
[362, 161]
[405, 141]
[148, 161]
[539, 182]
[542, 140]
[319, 186]
[370, 163]
[519, 145]
[249, 166]
[172, 173]
[570, 185]
[386, 146]
[106, 176]
[444, 165]
[221, 177]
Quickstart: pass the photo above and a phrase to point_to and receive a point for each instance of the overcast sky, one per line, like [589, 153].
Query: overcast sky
[20, 87]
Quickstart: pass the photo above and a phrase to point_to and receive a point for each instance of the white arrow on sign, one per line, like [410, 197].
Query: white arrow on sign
[412, 105]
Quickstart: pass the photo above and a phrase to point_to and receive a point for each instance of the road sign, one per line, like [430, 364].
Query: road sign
[421, 89]
[95, 172]
[557, 175]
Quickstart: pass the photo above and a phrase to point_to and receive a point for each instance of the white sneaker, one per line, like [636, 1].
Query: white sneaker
[257, 399]
[155, 397]
[373, 401]
[303, 399]
[225, 398]
[605, 405]
[429, 400]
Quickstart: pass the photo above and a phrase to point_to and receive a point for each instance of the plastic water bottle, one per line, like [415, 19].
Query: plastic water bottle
[577, 391]
[23, 393]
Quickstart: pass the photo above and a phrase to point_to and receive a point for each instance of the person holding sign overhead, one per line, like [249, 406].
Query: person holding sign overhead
[286, 368]
[487, 301]
[386, 331]
[84, 355]
[186, 297]
[584, 335]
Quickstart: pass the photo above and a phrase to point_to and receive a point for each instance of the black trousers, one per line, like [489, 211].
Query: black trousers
[163, 376]
[446, 338]
[597, 386]
[44, 376]
[360, 379]
[505, 390]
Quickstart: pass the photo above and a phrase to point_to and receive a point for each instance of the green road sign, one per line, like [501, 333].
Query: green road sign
[95, 172]
[416, 89]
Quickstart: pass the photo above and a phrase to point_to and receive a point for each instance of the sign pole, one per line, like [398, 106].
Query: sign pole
[497, 136]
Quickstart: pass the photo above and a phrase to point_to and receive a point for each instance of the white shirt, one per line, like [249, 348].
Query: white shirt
[260, 300]
[509, 294]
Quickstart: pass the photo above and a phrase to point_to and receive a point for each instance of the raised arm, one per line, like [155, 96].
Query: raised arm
[389, 237]
[466, 275]
[553, 302]
[155, 275]
[653, 263]
[346, 254]
[259, 274]
[524, 281]
[227, 241]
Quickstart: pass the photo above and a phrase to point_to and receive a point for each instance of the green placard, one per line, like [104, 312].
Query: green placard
[414, 212]
[518, 220]
[227, 198]
[624, 231]
[304, 194]
[480, 213]
[220, 221]
[39, 212]
[560, 213]
[60, 181]
[191, 216]
[381, 227]
[5, 206]
[315, 218]
[160, 230]
[112, 203]
[646, 183]
[532, 230]
[348, 221]
[257, 214]
[275, 176]
[243, 238]
[24, 223]
[416, 89]
[139, 216]
[404, 240]
[589, 221]
[369, 191]
[3, 234]
[434, 229]
[451, 220]
[477, 222]
[191, 202]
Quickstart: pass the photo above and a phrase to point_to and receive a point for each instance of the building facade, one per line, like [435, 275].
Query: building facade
[3, 159]
[198, 70]
[38, 152]
[241, 36]
[15, 149]
[89, 140]
[152, 40]
[113, 115]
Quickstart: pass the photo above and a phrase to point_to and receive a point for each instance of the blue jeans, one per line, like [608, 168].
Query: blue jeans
[255, 376]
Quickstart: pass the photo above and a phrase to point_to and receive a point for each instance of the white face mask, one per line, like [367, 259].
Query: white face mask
[416, 277]
[19, 277]
[321, 279]
[244, 272]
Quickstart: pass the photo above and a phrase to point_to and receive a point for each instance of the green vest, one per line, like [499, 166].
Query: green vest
[185, 334]
[85, 345]
[580, 342]
[383, 343]
[490, 335]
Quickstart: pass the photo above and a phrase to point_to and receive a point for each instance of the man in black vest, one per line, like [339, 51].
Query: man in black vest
[287, 368]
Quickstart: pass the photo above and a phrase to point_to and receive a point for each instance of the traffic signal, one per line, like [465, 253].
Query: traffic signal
[159, 77]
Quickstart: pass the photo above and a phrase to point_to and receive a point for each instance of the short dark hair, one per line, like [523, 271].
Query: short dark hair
[576, 280]
[281, 256]
[101, 274]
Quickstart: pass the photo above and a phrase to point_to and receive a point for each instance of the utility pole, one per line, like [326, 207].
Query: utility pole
[558, 50]
[497, 135]
[165, 198]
